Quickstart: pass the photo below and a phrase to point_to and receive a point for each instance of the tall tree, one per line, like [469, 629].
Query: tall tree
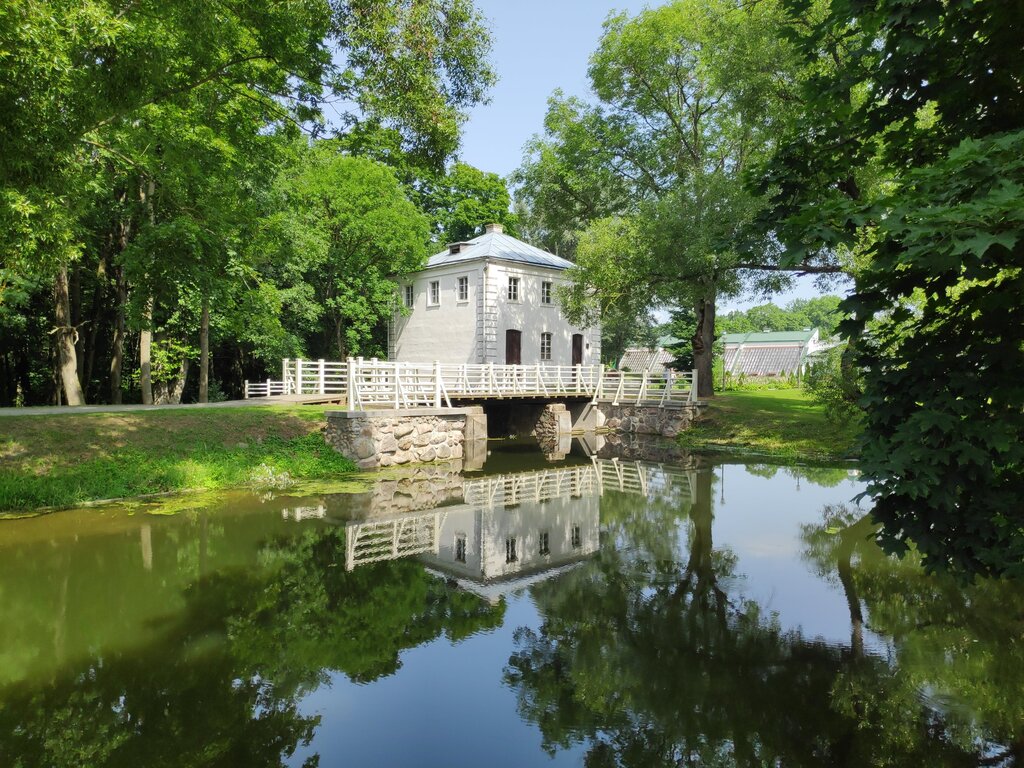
[349, 229]
[464, 200]
[103, 100]
[689, 96]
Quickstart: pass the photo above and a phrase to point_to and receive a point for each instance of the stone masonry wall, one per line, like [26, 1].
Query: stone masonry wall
[645, 420]
[554, 420]
[387, 438]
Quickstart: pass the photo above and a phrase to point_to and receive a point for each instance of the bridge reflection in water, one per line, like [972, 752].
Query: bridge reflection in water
[514, 529]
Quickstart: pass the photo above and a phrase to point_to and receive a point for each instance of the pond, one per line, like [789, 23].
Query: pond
[633, 606]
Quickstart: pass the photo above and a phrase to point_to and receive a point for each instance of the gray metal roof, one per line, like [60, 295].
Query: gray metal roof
[498, 245]
[645, 359]
[764, 360]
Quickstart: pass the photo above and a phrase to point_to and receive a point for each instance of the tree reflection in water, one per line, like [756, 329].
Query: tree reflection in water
[648, 659]
[220, 684]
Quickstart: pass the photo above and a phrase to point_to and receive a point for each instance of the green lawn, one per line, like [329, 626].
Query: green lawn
[67, 459]
[783, 423]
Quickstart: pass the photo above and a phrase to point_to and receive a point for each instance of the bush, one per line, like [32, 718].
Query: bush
[837, 392]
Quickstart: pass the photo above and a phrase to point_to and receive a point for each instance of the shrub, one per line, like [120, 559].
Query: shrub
[836, 390]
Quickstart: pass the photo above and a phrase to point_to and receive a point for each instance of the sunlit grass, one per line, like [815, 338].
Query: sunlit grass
[64, 460]
[784, 423]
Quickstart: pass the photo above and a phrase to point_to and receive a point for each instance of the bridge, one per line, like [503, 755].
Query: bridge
[363, 384]
[419, 532]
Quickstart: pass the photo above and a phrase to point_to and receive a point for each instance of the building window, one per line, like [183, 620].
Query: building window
[577, 538]
[463, 289]
[513, 289]
[545, 293]
[544, 548]
[435, 292]
[545, 346]
[510, 550]
[408, 296]
[460, 547]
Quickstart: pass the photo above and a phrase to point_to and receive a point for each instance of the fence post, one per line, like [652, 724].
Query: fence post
[398, 385]
[437, 383]
[350, 371]
[284, 375]
[323, 381]
[693, 387]
[268, 387]
[298, 376]
[245, 395]
[643, 387]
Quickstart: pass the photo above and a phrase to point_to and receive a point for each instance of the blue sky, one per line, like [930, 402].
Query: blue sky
[541, 45]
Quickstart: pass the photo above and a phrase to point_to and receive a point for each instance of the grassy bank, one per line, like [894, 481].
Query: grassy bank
[783, 423]
[68, 459]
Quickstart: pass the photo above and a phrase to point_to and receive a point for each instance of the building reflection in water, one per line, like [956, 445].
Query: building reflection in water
[499, 533]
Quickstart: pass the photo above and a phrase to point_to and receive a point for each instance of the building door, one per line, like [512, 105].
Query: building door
[513, 347]
[577, 349]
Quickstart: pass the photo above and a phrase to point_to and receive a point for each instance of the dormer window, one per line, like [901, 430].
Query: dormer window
[454, 248]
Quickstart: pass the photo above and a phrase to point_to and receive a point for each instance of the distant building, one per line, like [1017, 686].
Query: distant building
[774, 353]
[652, 359]
[639, 359]
[489, 300]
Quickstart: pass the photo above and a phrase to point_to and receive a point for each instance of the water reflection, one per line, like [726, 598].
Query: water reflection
[606, 610]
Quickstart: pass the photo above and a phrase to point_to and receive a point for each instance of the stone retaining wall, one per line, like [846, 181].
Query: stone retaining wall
[647, 420]
[387, 438]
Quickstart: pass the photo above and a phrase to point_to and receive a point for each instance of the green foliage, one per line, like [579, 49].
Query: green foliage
[139, 151]
[821, 312]
[906, 157]
[828, 385]
[943, 386]
[348, 230]
[684, 104]
[466, 199]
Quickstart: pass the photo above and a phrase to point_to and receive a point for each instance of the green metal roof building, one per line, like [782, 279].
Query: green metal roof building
[770, 353]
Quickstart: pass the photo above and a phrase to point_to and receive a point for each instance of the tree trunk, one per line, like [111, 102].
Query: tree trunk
[146, 337]
[65, 338]
[98, 305]
[204, 352]
[75, 289]
[146, 354]
[170, 392]
[704, 340]
[117, 350]
[339, 338]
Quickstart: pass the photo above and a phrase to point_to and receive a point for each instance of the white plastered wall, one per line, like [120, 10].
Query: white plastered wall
[474, 331]
[449, 331]
[533, 318]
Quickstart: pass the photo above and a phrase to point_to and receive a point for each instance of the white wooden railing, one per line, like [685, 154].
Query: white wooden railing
[646, 388]
[379, 383]
[374, 541]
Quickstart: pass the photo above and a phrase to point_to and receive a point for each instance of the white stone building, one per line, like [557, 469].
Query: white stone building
[489, 300]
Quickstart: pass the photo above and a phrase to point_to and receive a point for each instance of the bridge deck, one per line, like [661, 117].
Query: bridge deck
[365, 384]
